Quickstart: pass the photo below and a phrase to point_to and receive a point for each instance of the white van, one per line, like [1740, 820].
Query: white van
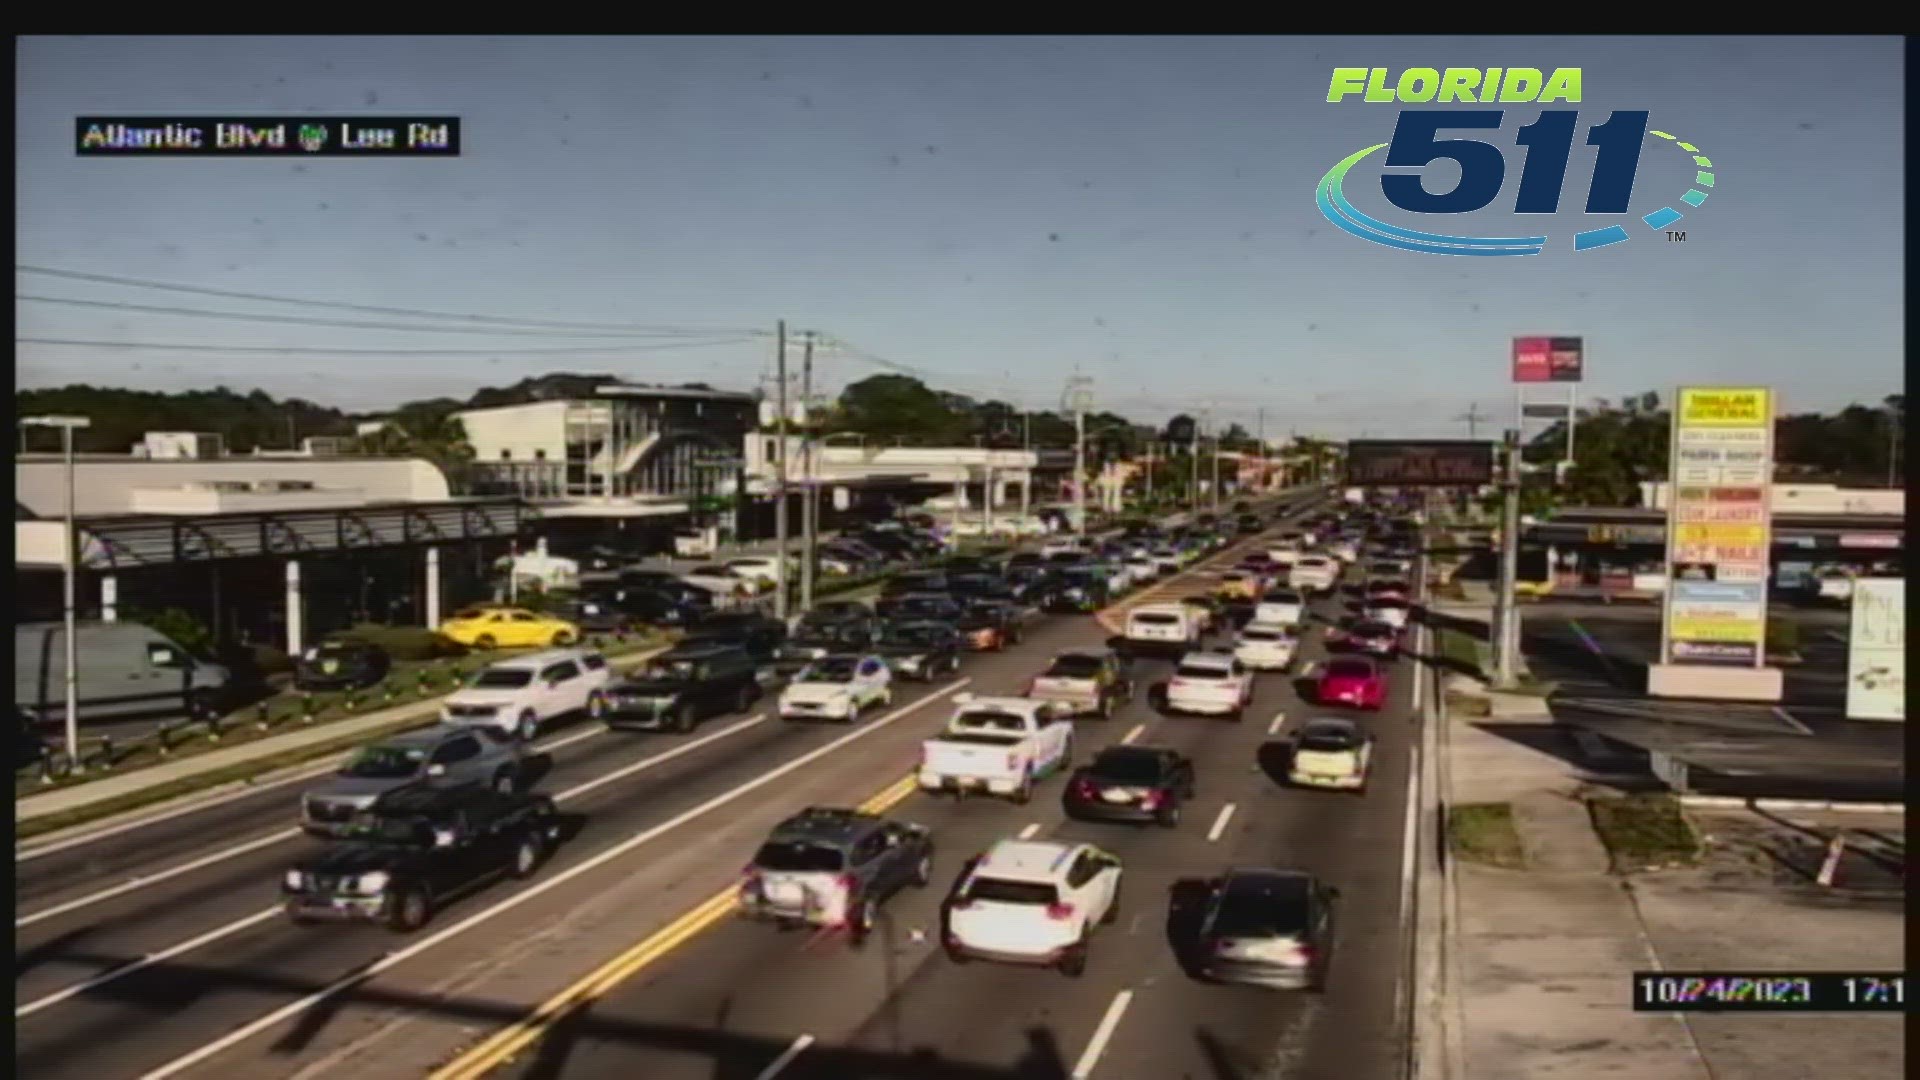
[1170, 628]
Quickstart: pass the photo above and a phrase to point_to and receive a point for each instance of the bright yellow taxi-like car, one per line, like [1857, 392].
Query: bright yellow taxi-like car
[507, 628]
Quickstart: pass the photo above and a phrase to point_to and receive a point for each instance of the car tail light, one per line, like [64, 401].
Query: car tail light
[1303, 954]
[1178, 682]
[1059, 912]
[1084, 789]
[1031, 683]
[846, 883]
[1222, 945]
[1153, 800]
[923, 757]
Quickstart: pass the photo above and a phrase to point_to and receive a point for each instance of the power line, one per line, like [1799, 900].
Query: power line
[494, 320]
[305, 350]
[345, 324]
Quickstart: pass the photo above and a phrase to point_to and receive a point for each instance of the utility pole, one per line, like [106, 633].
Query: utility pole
[1026, 484]
[810, 495]
[1193, 466]
[1214, 488]
[1473, 421]
[1079, 397]
[1150, 443]
[1260, 433]
[1505, 629]
[780, 473]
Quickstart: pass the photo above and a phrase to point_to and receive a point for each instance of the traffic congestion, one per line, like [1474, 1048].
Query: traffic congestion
[1089, 787]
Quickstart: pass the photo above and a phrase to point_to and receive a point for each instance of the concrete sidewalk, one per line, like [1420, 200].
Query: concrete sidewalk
[108, 788]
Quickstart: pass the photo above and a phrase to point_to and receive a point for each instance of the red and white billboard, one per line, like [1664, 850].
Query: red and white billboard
[1548, 359]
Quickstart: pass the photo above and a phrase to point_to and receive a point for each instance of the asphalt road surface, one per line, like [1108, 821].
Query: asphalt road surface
[160, 951]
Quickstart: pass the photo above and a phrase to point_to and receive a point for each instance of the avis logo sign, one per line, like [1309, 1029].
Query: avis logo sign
[1618, 141]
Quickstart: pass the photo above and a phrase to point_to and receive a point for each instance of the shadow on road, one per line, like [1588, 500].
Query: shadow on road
[1274, 758]
[1186, 911]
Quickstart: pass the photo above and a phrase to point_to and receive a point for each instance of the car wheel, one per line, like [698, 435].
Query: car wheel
[1024, 793]
[686, 719]
[300, 920]
[528, 727]
[1169, 816]
[485, 642]
[923, 872]
[203, 705]
[503, 782]
[596, 705]
[1073, 962]
[957, 955]
[562, 638]
[411, 910]
[860, 922]
[526, 858]
[1106, 707]
[743, 700]
[1112, 914]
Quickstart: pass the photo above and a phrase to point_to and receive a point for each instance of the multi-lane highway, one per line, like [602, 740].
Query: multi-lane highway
[159, 951]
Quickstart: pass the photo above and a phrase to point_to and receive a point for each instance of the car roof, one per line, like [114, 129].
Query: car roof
[1028, 860]
[540, 659]
[423, 800]
[1159, 609]
[1351, 663]
[433, 735]
[827, 825]
[1223, 661]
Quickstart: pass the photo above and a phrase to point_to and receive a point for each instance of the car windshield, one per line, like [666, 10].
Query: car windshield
[977, 620]
[1329, 739]
[916, 635]
[670, 671]
[1156, 618]
[798, 857]
[831, 670]
[1282, 597]
[334, 650]
[502, 679]
[1128, 766]
[1200, 671]
[1074, 667]
[1350, 669]
[403, 831]
[384, 763]
[1260, 908]
[1079, 576]
[1003, 891]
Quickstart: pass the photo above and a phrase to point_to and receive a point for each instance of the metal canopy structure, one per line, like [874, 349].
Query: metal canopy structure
[110, 543]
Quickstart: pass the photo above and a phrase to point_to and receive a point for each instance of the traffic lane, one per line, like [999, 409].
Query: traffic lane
[262, 967]
[751, 988]
[739, 995]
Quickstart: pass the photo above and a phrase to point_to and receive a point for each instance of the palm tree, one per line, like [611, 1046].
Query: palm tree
[435, 436]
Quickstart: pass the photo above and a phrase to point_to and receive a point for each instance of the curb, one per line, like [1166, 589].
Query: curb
[189, 801]
[1728, 802]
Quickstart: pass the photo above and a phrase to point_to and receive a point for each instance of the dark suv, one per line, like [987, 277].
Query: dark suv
[831, 867]
[684, 686]
[415, 849]
[342, 665]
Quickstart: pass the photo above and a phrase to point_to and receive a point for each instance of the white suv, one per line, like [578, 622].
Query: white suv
[520, 694]
[1033, 902]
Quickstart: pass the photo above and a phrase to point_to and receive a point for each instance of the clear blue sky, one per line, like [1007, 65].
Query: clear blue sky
[993, 212]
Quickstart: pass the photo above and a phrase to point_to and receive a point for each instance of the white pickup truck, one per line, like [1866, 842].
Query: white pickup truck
[997, 745]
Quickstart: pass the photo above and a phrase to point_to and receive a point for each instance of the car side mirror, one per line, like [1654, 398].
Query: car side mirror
[444, 838]
[1333, 891]
[436, 769]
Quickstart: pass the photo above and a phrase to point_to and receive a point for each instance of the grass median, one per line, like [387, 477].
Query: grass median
[1643, 832]
[1485, 833]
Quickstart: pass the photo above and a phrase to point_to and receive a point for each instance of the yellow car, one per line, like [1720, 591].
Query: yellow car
[1238, 585]
[508, 628]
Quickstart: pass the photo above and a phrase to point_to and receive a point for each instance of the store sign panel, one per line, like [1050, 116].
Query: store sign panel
[1719, 527]
[1877, 650]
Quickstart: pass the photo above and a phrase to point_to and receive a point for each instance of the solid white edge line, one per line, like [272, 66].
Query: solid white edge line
[29, 853]
[1791, 720]
[1102, 1035]
[540, 888]
[779, 1064]
[1279, 721]
[1220, 823]
[1138, 730]
[142, 881]
[1028, 832]
[147, 961]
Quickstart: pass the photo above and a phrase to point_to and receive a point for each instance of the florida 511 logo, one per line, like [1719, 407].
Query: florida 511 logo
[1476, 140]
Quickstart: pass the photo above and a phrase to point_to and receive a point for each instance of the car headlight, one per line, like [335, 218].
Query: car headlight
[910, 662]
[372, 883]
[295, 880]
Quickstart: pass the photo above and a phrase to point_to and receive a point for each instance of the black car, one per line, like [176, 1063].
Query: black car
[1272, 928]
[978, 585]
[920, 581]
[922, 650]
[1002, 615]
[684, 686]
[1131, 783]
[596, 612]
[342, 665]
[29, 746]
[939, 607]
[417, 848]
[1022, 559]
[760, 635]
[1079, 590]
[812, 641]
[662, 607]
[836, 612]
[970, 565]
[1248, 525]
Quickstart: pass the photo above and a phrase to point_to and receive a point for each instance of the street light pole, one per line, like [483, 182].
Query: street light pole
[780, 475]
[1079, 397]
[70, 571]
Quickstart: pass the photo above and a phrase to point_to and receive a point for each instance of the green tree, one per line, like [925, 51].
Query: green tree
[891, 409]
[437, 436]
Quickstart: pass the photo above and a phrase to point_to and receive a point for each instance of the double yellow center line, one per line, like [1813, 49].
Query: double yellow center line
[501, 1047]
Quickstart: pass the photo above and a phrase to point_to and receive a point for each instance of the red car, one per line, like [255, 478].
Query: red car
[1370, 636]
[1352, 681]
